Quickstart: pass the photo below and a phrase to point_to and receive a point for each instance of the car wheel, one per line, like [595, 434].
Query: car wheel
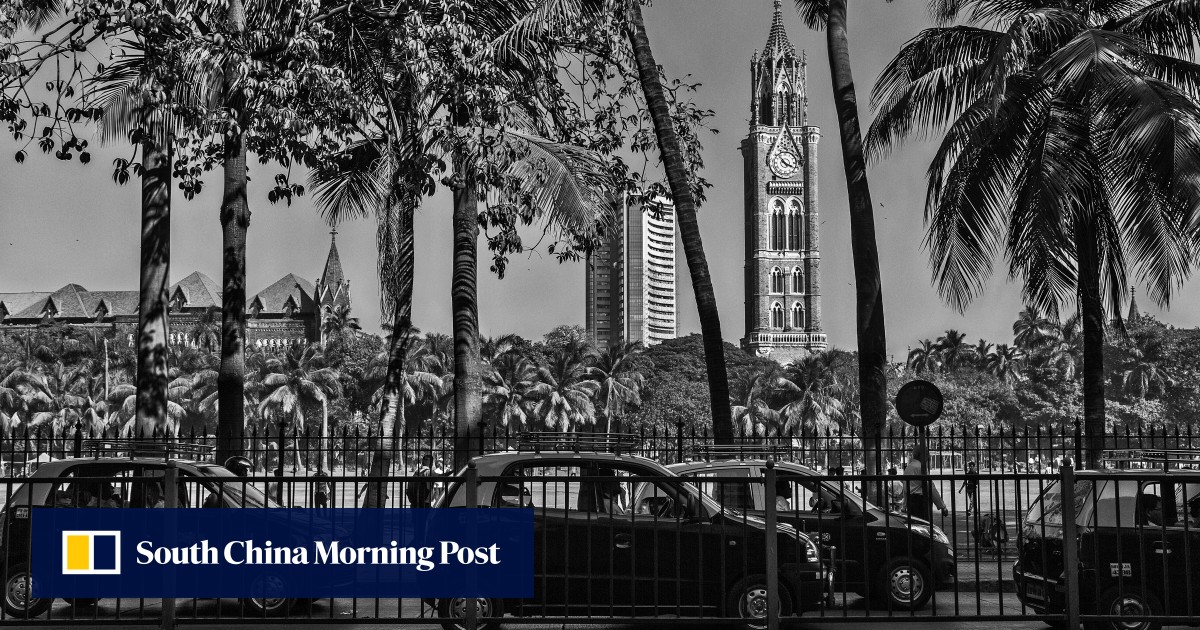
[453, 611]
[748, 602]
[272, 603]
[1116, 603]
[904, 584]
[18, 594]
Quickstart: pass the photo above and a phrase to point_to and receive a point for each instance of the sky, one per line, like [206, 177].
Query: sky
[64, 222]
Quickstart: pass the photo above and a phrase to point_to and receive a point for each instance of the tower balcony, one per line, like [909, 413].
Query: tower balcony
[816, 340]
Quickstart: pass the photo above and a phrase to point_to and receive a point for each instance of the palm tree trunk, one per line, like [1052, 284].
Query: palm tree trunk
[689, 225]
[397, 278]
[235, 219]
[1092, 313]
[872, 342]
[468, 378]
[152, 377]
[322, 464]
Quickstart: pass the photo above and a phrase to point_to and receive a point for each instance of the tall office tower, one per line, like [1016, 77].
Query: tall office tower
[631, 279]
[783, 282]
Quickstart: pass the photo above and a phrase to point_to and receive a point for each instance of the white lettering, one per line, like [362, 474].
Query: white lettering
[229, 558]
[145, 554]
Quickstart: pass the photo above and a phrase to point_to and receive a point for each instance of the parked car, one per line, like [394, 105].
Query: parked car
[111, 481]
[895, 560]
[1138, 546]
[640, 541]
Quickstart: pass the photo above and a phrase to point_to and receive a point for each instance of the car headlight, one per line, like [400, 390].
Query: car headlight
[932, 531]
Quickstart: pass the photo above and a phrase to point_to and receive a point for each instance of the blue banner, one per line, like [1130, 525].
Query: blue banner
[225, 552]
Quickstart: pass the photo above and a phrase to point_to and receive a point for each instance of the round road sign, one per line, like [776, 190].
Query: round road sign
[919, 403]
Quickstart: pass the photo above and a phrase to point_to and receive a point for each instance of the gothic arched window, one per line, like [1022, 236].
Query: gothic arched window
[797, 280]
[795, 225]
[798, 316]
[778, 225]
[776, 280]
[777, 316]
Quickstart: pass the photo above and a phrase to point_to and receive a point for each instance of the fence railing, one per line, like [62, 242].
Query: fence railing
[624, 544]
[353, 452]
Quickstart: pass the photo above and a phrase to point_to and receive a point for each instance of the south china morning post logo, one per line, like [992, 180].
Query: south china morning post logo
[345, 552]
[91, 552]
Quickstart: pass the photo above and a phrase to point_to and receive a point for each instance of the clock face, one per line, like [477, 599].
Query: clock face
[785, 164]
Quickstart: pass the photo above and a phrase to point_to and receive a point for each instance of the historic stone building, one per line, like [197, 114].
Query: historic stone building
[783, 276]
[287, 312]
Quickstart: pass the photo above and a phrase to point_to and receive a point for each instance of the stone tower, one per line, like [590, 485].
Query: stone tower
[783, 276]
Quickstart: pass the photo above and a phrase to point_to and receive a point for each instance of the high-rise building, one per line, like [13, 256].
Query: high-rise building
[783, 281]
[631, 279]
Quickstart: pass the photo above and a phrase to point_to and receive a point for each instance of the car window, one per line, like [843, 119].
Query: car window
[148, 490]
[1188, 505]
[736, 495]
[1048, 509]
[92, 485]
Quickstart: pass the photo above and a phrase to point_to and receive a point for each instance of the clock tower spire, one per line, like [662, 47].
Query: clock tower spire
[782, 285]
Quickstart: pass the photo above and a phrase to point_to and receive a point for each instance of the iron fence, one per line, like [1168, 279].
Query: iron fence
[353, 452]
[619, 542]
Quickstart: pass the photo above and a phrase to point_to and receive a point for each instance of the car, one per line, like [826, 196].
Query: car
[109, 480]
[621, 534]
[896, 561]
[1138, 544]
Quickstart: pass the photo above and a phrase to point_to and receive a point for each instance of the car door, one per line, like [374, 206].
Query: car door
[804, 502]
[1179, 551]
[572, 570]
[674, 553]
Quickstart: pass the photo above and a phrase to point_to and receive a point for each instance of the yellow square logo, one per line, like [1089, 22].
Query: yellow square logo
[91, 552]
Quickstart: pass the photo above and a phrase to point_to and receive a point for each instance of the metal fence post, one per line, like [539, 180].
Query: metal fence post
[170, 500]
[77, 451]
[471, 482]
[1070, 545]
[772, 548]
[679, 441]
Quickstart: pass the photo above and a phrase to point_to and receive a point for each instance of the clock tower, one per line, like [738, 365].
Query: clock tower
[783, 276]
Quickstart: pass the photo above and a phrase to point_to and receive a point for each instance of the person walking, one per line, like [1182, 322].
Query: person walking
[920, 491]
[971, 487]
[420, 491]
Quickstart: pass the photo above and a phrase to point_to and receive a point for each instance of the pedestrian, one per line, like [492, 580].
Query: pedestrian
[420, 491]
[971, 487]
[321, 496]
[921, 493]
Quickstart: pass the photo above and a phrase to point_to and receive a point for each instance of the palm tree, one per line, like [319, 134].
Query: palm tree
[815, 402]
[925, 358]
[338, 324]
[756, 386]
[953, 348]
[620, 381]
[300, 377]
[1065, 123]
[980, 351]
[1005, 363]
[689, 226]
[872, 340]
[205, 332]
[1032, 329]
[506, 390]
[1144, 369]
[562, 395]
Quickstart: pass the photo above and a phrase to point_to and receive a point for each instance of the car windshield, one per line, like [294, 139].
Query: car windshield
[1048, 509]
[238, 493]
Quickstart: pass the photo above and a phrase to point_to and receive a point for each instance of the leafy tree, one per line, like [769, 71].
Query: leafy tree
[563, 396]
[1005, 363]
[1066, 127]
[299, 377]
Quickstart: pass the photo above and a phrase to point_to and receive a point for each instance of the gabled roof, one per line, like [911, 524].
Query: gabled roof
[274, 297]
[199, 291]
[778, 45]
[117, 303]
[66, 302]
[15, 303]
